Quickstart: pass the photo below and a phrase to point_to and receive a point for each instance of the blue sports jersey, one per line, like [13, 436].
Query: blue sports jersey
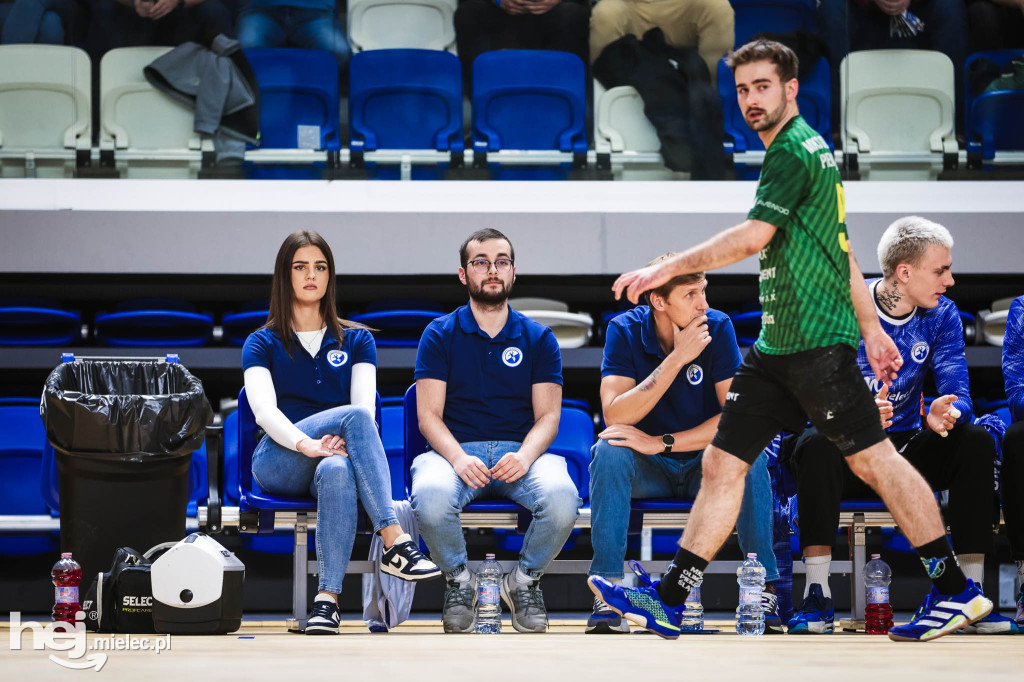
[929, 339]
[1013, 359]
[632, 350]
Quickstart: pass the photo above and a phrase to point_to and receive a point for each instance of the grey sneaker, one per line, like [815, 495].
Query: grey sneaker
[459, 602]
[604, 621]
[525, 604]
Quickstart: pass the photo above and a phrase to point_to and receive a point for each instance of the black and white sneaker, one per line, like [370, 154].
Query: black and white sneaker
[405, 560]
[324, 618]
[604, 621]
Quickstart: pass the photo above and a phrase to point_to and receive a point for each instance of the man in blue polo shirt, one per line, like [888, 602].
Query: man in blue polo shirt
[488, 396]
[666, 371]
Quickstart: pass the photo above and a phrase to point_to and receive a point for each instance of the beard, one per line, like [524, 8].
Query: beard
[769, 119]
[483, 296]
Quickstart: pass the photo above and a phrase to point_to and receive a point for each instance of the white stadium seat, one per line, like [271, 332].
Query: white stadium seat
[622, 129]
[389, 24]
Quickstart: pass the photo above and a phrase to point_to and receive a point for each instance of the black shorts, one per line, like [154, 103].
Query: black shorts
[771, 393]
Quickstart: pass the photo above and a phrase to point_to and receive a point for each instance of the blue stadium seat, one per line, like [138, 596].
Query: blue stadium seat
[37, 322]
[299, 97]
[814, 100]
[405, 99]
[529, 100]
[772, 16]
[993, 119]
[154, 322]
[250, 497]
[392, 435]
[22, 438]
[573, 442]
[237, 326]
[397, 328]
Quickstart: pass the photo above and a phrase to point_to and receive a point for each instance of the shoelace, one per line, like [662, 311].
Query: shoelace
[769, 601]
[411, 552]
[645, 577]
[324, 609]
[456, 595]
[923, 609]
[528, 596]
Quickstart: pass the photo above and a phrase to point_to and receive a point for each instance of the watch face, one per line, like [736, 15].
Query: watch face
[668, 439]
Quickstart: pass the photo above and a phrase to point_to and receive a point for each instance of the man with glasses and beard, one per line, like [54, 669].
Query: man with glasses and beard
[488, 397]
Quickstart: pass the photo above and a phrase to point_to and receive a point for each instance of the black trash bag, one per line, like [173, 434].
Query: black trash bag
[125, 411]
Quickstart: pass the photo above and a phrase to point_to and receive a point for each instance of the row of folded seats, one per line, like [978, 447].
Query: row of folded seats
[397, 323]
[405, 109]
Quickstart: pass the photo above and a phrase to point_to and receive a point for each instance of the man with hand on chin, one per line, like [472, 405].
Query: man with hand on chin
[489, 399]
[666, 372]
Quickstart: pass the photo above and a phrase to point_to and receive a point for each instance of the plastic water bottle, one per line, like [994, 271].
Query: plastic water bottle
[67, 576]
[693, 611]
[878, 614]
[488, 600]
[749, 614]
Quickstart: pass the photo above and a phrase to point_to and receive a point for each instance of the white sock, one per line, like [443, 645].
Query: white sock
[973, 566]
[520, 577]
[817, 569]
[463, 576]
[325, 597]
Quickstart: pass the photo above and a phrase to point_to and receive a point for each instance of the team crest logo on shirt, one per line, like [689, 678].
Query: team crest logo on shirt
[694, 374]
[337, 358]
[919, 352]
[512, 356]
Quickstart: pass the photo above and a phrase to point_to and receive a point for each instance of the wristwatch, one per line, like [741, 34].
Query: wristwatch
[669, 440]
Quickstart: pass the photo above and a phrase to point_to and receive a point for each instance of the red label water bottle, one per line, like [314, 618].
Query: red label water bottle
[878, 614]
[67, 576]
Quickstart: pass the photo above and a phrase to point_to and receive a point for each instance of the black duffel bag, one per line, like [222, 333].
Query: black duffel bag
[121, 600]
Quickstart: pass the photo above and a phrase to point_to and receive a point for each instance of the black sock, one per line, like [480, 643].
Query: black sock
[941, 566]
[683, 574]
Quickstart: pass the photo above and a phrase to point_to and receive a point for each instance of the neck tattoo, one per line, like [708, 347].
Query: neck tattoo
[888, 295]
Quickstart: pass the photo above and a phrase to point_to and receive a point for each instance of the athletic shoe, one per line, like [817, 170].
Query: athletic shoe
[459, 614]
[405, 560]
[525, 604]
[941, 614]
[993, 624]
[1020, 607]
[641, 605]
[604, 621]
[770, 606]
[815, 616]
[324, 618]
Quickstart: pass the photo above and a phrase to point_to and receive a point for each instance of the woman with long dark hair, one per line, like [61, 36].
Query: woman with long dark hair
[311, 380]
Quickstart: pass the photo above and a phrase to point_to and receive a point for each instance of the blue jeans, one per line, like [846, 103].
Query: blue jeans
[336, 482]
[35, 21]
[619, 474]
[294, 27]
[547, 491]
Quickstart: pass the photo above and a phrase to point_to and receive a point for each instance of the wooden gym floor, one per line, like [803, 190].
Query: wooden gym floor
[418, 651]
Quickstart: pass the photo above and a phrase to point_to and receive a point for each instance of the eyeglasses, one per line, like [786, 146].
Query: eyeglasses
[482, 266]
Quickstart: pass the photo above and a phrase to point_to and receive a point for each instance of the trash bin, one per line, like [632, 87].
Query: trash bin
[124, 432]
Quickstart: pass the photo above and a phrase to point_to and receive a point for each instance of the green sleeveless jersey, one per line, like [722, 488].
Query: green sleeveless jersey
[804, 276]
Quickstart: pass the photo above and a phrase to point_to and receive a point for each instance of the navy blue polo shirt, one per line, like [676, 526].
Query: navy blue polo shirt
[306, 385]
[490, 381]
[632, 350]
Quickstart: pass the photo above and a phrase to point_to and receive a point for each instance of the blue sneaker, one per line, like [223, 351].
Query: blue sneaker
[816, 615]
[641, 605]
[942, 614]
[993, 624]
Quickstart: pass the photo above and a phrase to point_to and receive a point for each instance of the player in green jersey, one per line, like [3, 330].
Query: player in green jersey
[803, 365]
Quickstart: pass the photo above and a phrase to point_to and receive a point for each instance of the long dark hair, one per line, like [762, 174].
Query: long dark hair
[282, 296]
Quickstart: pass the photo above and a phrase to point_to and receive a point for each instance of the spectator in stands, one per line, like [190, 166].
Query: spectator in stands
[485, 25]
[948, 449]
[35, 21]
[706, 25]
[489, 396]
[1013, 443]
[311, 379]
[995, 24]
[308, 24]
[849, 25]
[129, 23]
[666, 371]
